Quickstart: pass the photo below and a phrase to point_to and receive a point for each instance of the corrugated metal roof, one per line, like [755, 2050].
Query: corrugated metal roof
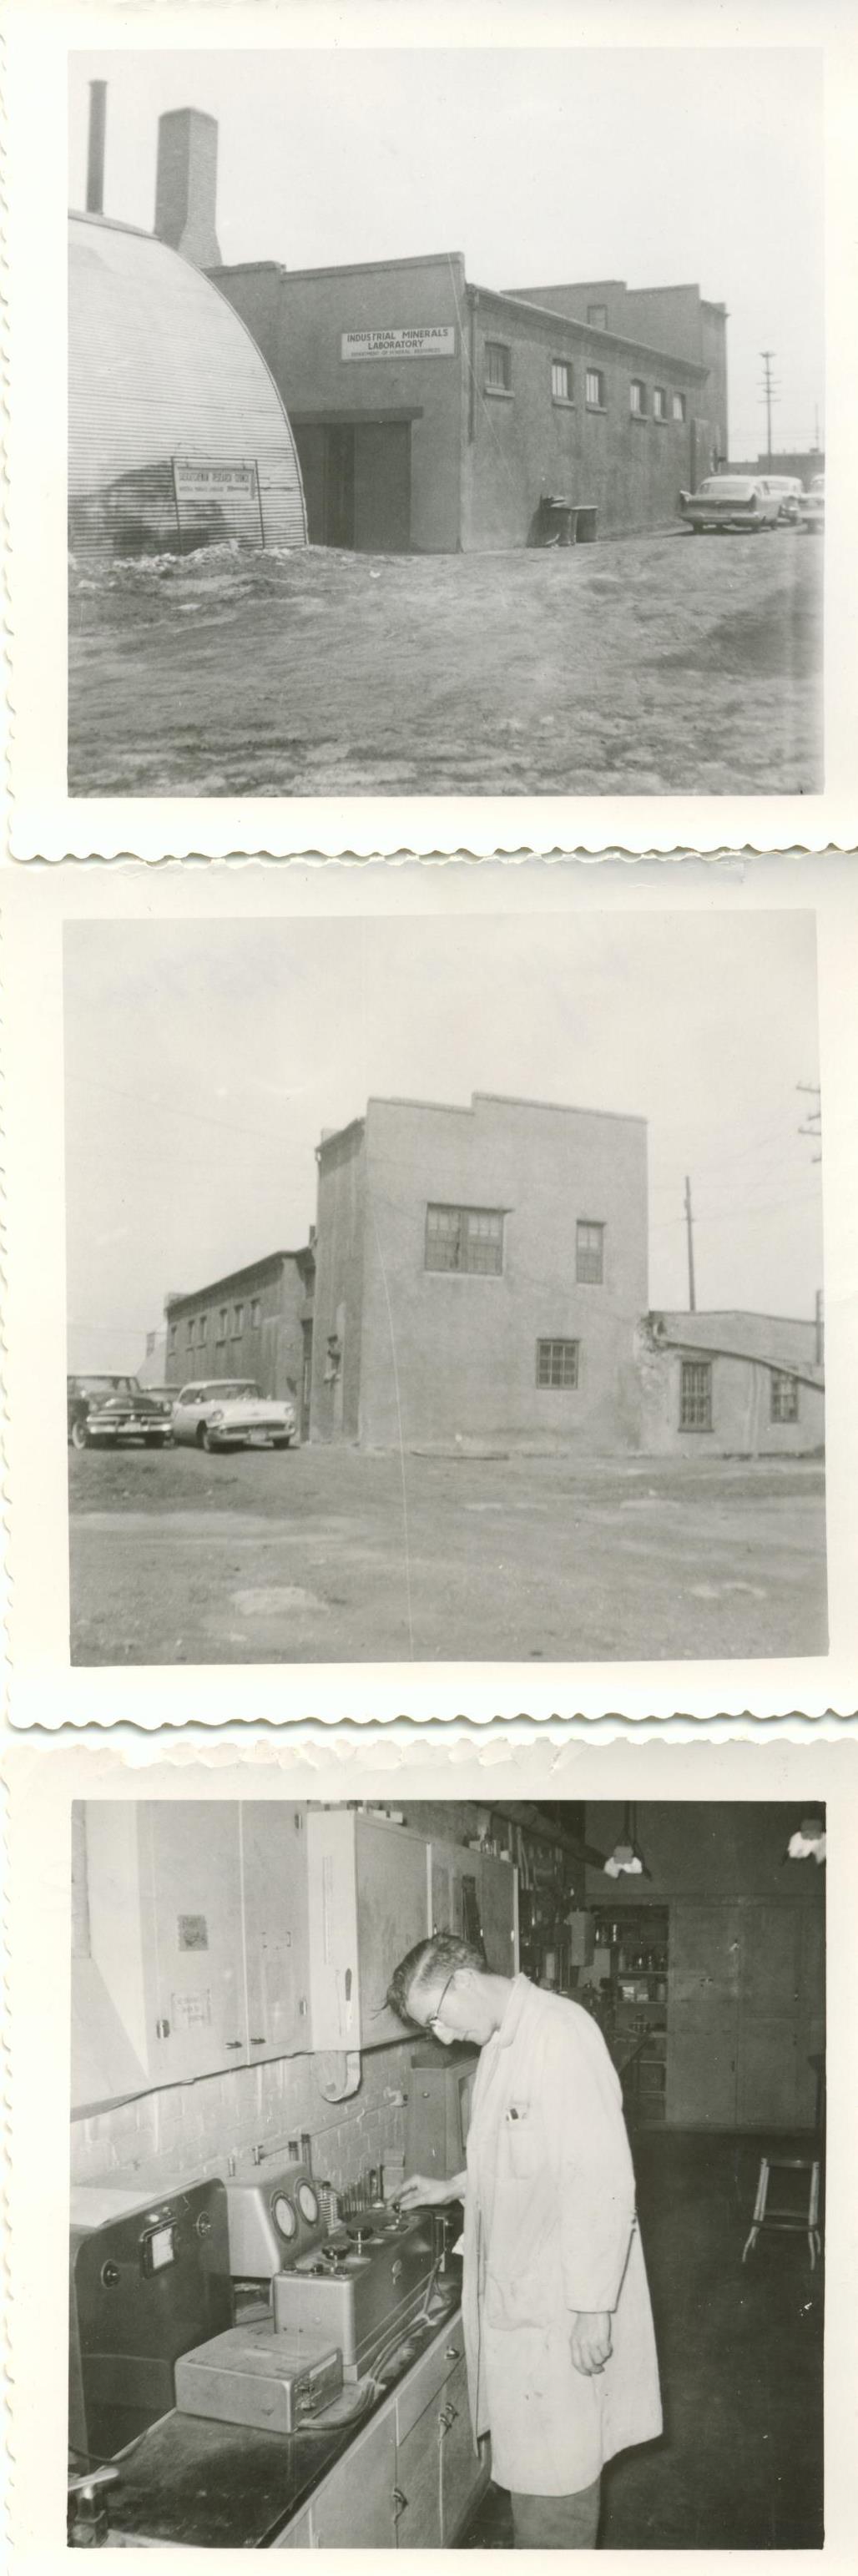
[162, 368]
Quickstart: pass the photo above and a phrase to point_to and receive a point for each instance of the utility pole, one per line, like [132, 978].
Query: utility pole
[689, 1225]
[769, 397]
[814, 1115]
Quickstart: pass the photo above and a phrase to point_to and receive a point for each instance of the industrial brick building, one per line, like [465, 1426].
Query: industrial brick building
[479, 1274]
[255, 1323]
[747, 1385]
[435, 416]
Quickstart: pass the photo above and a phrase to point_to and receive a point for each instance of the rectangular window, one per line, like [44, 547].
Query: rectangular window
[595, 389]
[598, 315]
[189, 1332]
[695, 1406]
[561, 380]
[659, 403]
[589, 1253]
[678, 406]
[637, 397]
[204, 1328]
[784, 1396]
[237, 1321]
[460, 1238]
[222, 1322]
[255, 1312]
[173, 1336]
[498, 367]
[557, 1363]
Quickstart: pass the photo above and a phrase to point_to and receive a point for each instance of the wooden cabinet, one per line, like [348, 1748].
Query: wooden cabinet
[355, 2507]
[745, 2013]
[418, 2483]
[198, 1925]
[276, 1946]
[498, 1888]
[453, 1889]
[368, 1905]
[463, 2471]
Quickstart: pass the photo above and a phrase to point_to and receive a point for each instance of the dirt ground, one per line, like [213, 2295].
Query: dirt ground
[334, 1556]
[637, 666]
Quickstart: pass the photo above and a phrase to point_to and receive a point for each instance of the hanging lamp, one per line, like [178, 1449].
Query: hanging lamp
[627, 1860]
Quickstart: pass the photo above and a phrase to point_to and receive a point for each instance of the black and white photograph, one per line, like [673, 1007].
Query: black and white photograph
[444, 1287]
[445, 2174]
[365, 343]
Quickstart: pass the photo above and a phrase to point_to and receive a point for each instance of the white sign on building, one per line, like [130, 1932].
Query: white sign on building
[422, 340]
[192, 481]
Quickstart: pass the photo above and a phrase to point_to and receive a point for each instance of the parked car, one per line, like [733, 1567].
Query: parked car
[813, 507]
[230, 1413]
[790, 494]
[729, 501]
[104, 1410]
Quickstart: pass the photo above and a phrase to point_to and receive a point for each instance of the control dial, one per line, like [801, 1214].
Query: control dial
[284, 2216]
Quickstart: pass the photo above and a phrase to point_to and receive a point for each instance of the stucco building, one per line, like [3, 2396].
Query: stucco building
[479, 1275]
[434, 415]
[255, 1323]
[736, 1384]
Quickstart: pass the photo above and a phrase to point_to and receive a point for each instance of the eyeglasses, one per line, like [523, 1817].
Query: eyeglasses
[435, 2016]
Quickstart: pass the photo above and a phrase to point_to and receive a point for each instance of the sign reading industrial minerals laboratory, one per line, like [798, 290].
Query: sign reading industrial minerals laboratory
[423, 340]
[195, 482]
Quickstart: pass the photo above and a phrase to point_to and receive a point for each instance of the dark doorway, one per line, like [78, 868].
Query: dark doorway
[306, 1378]
[357, 483]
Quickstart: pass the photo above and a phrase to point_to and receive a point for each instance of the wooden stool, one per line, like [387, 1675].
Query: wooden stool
[807, 2223]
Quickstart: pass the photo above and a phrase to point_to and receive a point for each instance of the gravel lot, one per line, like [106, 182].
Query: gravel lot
[333, 1556]
[637, 666]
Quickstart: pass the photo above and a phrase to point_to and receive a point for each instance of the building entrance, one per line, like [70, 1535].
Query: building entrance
[357, 483]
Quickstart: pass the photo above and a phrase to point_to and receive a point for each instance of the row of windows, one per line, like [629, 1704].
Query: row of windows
[695, 1399]
[468, 1239]
[498, 380]
[230, 1324]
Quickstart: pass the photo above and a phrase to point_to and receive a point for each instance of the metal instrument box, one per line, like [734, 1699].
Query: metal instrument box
[251, 2375]
[359, 2294]
[145, 2285]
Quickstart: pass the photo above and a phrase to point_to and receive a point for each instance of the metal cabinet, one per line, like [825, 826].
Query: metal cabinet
[164, 1889]
[274, 1911]
[367, 1907]
[452, 1882]
[745, 2009]
[417, 2493]
[463, 2471]
[355, 2507]
[475, 1893]
[198, 1925]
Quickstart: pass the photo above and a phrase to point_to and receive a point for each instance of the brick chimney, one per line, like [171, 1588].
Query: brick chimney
[186, 185]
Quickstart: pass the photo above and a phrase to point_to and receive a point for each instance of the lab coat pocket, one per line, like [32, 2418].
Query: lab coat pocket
[524, 2144]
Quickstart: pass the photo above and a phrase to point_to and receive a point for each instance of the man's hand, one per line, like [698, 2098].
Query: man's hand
[424, 2191]
[590, 2341]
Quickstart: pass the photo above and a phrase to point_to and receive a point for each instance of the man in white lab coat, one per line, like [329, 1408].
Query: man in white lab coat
[562, 2366]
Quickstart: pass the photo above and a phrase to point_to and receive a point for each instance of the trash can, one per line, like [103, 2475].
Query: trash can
[586, 524]
[556, 521]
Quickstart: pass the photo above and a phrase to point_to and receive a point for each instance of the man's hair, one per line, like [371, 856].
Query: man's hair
[427, 1965]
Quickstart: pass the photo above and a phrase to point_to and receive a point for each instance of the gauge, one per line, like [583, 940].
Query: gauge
[307, 2202]
[284, 2215]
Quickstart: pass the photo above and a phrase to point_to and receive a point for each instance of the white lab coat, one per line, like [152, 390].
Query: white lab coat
[550, 2229]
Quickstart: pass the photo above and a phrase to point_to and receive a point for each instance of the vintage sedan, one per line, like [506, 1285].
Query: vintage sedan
[790, 494]
[730, 501]
[813, 507]
[219, 1413]
[104, 1410]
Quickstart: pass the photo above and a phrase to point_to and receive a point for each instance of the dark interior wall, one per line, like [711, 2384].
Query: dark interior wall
[705, 1849]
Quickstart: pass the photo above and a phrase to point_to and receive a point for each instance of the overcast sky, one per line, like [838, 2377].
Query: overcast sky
[659, 166]
[203, 1063]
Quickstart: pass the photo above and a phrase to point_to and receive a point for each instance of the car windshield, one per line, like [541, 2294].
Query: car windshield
[226, 1390]
[728, 486]
[105, 1386]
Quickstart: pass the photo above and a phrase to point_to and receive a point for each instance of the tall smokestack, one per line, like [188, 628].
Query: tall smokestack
[95, 152]
[186, 185]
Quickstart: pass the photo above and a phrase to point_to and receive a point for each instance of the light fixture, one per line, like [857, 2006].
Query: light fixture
[808, 1841]
[626, 1859]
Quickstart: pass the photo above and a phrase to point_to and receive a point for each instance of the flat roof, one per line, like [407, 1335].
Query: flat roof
[467, 1108]
[268, 1261]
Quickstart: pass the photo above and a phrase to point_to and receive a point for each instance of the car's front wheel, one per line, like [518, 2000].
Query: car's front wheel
[79, 1435]
[209, 1440]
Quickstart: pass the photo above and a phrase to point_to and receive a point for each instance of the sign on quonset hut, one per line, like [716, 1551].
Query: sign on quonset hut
[419, 340]
[193, 480]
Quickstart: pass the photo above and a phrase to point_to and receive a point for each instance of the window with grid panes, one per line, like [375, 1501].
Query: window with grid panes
[465, 1239]
[784, 1396]
[637, 396]
[561, 380]
[695, 1403]
[677, 405]
[595, 389]
[589, 1253]
[189, 1332]
[237, 1322]
[498, 367]
[204, 1328]
[557, 1363]
[659, 403]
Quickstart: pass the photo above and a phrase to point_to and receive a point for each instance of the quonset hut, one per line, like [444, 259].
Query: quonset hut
[177, 433]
